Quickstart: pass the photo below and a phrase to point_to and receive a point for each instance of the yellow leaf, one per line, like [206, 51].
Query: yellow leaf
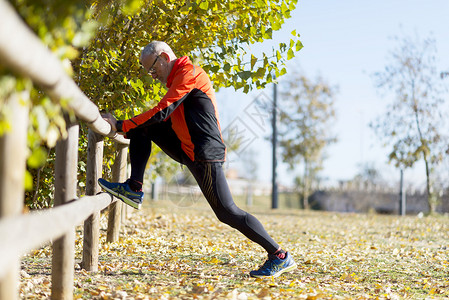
[263, 293]
[253, 61]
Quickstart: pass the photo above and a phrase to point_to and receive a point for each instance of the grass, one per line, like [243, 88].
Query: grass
[172, 252]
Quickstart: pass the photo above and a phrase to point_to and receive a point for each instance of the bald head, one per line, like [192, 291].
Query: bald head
[157, 48]
[158, 60]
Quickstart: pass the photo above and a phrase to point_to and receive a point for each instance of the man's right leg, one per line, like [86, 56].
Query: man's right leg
[139, 153]
[140, 146]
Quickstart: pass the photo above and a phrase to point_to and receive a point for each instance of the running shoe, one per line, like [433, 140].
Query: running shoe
[274, 266]
[122, 191]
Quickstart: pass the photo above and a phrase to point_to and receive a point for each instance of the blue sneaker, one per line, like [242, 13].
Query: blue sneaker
[274, 266]
[122, 191]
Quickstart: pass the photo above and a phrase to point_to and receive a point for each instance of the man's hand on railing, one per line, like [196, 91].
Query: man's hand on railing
[117, 136]
[108, 117]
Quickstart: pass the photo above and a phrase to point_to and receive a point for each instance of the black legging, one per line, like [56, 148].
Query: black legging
[209, 176]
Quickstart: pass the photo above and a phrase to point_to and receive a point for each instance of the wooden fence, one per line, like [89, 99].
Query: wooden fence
[22, 52]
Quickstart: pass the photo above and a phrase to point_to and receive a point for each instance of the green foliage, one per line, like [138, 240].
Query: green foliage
[99, 43]
[215, 34]
[62, 26]
[41, 177]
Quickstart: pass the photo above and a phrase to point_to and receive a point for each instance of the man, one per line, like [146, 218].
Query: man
[185, 125]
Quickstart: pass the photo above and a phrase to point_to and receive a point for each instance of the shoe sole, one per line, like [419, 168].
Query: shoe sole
[278, 273]
[121, 197]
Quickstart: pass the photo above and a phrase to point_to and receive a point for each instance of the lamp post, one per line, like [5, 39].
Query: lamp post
[274, 192]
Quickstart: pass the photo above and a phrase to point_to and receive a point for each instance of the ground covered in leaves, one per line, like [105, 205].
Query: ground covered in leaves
[172, 252]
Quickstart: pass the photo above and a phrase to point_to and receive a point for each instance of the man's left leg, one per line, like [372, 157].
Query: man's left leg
[213, 183]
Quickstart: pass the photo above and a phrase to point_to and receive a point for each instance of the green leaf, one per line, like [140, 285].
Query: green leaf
[265, 62]
[292, 5]
[253, 30]
[204, 4]
[268, 34]
[278, 55]
[290, 54]
[283, 71]
[284, 8]
[276, 25]
[260, 3]
[132, 6]
[28, 181]
[260, 72]
[185, 9]
[37, 158]
[282, 46]
[96, 64]
[245, 75]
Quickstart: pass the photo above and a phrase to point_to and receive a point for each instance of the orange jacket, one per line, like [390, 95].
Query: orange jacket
[191, 106]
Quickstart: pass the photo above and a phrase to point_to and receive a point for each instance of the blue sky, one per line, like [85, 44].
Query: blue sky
[345, 42]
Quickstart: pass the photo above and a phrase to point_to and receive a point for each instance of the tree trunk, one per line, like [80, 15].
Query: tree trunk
[430, 203]
[305, 191]
[418, 126]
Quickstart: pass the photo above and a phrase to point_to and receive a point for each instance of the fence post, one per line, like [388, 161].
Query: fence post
[13, 149]
[92, 224]
[118, 175]
[124, 214]
[125, 208]
[66, 166]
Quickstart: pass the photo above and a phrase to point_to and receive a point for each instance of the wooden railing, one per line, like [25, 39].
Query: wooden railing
[22, 52]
